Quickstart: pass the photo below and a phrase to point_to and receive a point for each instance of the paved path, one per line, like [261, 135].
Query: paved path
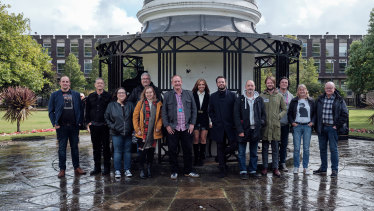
[28, 181]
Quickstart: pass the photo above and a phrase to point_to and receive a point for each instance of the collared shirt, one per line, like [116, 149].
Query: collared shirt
[181, 119]
[201, 97]
[285, 97]
[327, 117]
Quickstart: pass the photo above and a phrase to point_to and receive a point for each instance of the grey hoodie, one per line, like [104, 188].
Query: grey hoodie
[287, 99]
[250, 102]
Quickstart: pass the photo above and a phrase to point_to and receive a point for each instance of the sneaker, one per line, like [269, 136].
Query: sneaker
[128, 173]
[174, 176]
[117, 174]
[284, 167]
[264, 172]
[276, 173]
[334, 173]
[244, 176]
[306, 171]
[319, 171]
[295, 170]
[192, 174]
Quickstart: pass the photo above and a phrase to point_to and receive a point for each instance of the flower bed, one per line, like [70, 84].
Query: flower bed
[28, 132]
[362, 130]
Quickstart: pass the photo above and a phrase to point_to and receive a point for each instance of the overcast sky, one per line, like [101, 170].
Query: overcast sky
[117, 17]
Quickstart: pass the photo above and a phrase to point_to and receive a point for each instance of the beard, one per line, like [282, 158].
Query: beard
[250, 91]
[221, 88]
[270, 89]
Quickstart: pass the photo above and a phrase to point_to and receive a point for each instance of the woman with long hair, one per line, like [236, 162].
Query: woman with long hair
[301, 115]
[147, 123]
[118, 116]
[201, 95]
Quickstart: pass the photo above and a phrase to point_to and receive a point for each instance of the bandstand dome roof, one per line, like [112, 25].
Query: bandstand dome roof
[199, 15]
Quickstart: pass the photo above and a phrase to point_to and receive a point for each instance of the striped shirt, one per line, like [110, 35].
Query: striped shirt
[181, 119]
[327, 117]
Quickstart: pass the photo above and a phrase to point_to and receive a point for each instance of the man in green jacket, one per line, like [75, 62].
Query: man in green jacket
[275, 109]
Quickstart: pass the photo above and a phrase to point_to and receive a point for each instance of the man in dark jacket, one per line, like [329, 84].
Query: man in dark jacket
[66, 114]
[179, 117]
[96, 104]
[221, 107]
[145, 81]
[331, 120]
[250, 118]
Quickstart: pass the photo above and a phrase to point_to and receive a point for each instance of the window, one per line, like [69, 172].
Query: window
[87, 66]
[60, 66]
[88, 49]
[342, 65]
[74, 48]
[343, 49]
[329, 66]
[317, 64]
[316, 50]
[60, 48]
[47, 47]
[304, 49]
[329, 49]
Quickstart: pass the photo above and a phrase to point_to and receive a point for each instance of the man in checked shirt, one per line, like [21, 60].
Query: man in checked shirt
[331, 121]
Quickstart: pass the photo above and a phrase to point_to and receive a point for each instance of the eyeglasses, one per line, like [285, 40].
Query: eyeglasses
[145, 79]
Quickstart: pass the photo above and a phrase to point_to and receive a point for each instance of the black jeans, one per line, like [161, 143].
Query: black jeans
[186, 142]
[285, 130]
[100, 145]
[224, 149]
[64, 134]
[146, 156]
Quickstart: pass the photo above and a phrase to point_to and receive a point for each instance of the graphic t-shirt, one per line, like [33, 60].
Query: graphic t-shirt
[303, 111]
[68, 116]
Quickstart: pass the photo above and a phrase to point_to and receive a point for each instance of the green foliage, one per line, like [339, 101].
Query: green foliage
[22, 60]
[72, 69]
[18, 102]
[370, 102]
[360, 69]
[95, 74]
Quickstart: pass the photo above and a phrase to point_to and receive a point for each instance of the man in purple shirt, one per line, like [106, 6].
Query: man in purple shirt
[179, 114]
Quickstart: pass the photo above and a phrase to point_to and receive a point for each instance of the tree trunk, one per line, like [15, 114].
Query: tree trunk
[18, 125]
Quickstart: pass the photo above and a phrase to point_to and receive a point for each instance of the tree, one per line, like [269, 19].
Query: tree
[72, 69]
[22, 60]
[95, 74]
[360, 69]
[18, 102]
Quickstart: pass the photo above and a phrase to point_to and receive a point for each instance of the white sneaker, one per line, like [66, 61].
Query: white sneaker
[284, 167]
[117, 174]
[174, 176]
[128, 173]
[295, 170]
[192, 174]
[306, 171]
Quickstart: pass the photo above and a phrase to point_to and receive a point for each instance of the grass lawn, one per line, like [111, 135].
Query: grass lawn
[38, 120]
[358, 119]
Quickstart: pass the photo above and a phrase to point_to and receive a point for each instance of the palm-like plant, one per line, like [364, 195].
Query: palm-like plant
[370, 102]
[18, 103]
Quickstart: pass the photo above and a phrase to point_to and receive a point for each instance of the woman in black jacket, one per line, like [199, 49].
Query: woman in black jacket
[118, 116]
[201, 95]
[301, 115]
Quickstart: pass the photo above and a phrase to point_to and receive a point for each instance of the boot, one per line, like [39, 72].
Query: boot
[142, 172]
[196, 154]
[222, 172]
[202, 154]
[149, 170]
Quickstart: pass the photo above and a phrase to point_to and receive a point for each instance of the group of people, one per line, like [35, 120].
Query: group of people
[185, 117]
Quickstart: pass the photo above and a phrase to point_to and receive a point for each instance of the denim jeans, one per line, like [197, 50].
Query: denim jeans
[305, 132]
[65, 133]
[274, 151]
[252, 165]
[329, 135]
[122, 151]
[285, 130]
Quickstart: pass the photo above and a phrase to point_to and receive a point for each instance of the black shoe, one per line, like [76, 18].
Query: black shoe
[334, 174]
[253, 175]
[142, 174]
[95, 172]
[106, 172]
[244, 176]
[222, 172]
[320, 172]
[149, 171]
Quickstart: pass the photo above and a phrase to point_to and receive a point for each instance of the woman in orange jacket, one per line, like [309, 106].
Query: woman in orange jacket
[147, 123]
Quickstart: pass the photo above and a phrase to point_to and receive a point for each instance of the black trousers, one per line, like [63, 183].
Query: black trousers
[186, 140]
[100, 145]
[224, 149]
[146, 156]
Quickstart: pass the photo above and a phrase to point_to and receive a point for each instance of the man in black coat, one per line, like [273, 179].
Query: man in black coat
[221, 107]
[145, 81]
[250, 118]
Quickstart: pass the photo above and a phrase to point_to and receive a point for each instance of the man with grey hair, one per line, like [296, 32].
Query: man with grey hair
[145, 81]
[331, 121]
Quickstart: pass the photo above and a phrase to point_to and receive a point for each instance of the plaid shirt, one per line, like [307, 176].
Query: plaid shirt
[181, 119]
[327, 117]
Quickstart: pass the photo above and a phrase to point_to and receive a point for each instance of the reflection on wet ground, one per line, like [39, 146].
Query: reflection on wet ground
[28, 181]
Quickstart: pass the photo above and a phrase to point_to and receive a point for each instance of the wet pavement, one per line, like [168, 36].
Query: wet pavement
[28, 181]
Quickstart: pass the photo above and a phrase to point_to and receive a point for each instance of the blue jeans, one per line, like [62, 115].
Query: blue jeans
[330, 135]
[304, 131]
[285, 130]
[65, 133]
[252, 166]
[122, 151]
